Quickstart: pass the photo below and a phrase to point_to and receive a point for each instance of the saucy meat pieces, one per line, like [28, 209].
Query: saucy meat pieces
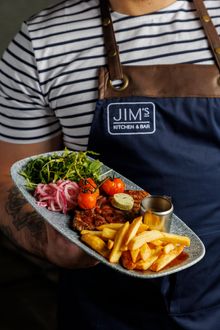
[104, 212]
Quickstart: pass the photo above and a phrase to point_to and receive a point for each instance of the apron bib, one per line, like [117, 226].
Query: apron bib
[161, 128]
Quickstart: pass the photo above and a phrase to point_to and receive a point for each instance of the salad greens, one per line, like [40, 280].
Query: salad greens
[69, 165]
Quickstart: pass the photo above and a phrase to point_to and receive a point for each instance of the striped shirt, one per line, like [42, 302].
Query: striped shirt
[49, 72]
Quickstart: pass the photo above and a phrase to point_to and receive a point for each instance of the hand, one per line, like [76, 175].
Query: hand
[61, 252]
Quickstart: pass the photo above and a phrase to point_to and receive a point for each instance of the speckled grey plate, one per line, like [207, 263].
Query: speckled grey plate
[195, 252]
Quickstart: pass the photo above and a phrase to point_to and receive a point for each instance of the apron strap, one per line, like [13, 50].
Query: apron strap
[113, 58]
[209, 28]
[114, 64]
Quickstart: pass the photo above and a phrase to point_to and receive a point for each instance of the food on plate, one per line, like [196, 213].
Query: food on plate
[96, 243]
[113, 186]
[87, 200]
[58, 197]
[144, 237]
[49, 177]
[165, 258]
[136, 250]
[132, 231]
[115, 252]
[68, 165]
[104, 212]
[122, 201]
[60, 182]
[88, 193]
[89, 185]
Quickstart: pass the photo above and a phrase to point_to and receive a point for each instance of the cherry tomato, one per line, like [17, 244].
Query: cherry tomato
[89, 185]
[87, 200]
[113, 186]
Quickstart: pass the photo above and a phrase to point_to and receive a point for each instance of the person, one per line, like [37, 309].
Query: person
[138, 82]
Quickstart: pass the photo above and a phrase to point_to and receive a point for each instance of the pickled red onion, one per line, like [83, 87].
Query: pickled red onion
[59, 197]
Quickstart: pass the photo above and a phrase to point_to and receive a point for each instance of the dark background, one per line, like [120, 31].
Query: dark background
[13, 12]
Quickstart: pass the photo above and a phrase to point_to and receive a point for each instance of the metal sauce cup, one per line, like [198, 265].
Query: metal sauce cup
[157, 212]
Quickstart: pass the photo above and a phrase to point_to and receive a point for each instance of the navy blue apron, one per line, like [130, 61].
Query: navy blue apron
[160, 127]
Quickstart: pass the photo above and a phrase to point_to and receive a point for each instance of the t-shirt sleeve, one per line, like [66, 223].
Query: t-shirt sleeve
[25, 116]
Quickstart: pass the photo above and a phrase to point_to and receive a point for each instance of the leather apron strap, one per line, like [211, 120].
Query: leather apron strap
[209, 28]
[114, 64]
[113, 58]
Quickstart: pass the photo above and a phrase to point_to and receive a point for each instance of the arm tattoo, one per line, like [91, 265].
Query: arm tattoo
[23, 216]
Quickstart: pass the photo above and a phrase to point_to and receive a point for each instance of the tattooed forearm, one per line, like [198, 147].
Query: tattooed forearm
[15, 202]
[24, 217]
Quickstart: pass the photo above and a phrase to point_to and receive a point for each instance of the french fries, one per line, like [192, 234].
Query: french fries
[96, 243]
[116, 251]
[109, 233]
[144, 237]
[135, 245]
[165, 258]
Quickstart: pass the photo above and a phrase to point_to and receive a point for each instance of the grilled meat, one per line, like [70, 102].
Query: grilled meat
[104, 212]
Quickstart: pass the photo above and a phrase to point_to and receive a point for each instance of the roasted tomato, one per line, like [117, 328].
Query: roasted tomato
[113, 186]
[89, 185]
[87, 200]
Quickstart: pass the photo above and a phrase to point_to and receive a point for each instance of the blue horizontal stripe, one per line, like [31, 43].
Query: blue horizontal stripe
[63, 54]
[162, 45]
[75, 144]
[19, 82]
[20, 71]
[68, 42]
[165, 55]
[77, 136]
[79, 81]
[24, 35]
[74, 105]
[61, 16]
[68, 73]
[19, 108]
[30, 138]
[23, 118]
[83, 91]
[77, 115]
[20, 101]
[22, 47]
[76, 126]
[19, 91]
[21, 59]
[29, 128]
[66, 64]
[65, 32]
[158, 35]
[168, 24]
[63, 23]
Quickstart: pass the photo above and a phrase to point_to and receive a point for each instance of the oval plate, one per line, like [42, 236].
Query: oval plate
[60, 222]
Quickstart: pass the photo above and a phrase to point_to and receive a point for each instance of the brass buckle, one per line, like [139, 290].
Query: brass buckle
[122, 87]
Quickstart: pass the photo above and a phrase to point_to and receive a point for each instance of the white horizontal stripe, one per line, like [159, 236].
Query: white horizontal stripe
[35, 132]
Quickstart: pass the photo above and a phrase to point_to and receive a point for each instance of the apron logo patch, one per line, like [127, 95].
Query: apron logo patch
[131, 118]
